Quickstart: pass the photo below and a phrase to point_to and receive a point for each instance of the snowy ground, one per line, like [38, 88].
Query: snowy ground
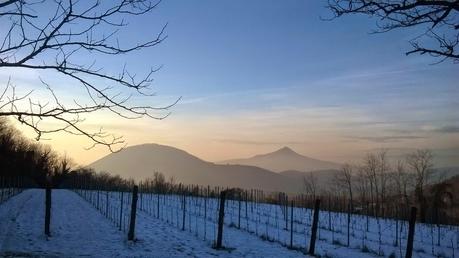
[78, 229]
[93, 228]
[267, 222]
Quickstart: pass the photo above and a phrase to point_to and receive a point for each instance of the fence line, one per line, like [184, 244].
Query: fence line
[11, 186]
[195, 209]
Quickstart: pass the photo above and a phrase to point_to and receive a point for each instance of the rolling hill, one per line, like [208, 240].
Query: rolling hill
[141, 161]
[284, 159]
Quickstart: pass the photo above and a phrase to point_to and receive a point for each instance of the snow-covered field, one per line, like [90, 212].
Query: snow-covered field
[78, 228]
[267, 222]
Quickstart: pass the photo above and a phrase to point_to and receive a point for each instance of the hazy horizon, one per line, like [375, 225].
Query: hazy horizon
[276, 76]
[393, 154]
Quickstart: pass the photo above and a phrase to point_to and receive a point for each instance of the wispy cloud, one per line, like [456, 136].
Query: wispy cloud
[262, 94]
[384, 139]
[369, 74]
[447, 129]
[250, 142]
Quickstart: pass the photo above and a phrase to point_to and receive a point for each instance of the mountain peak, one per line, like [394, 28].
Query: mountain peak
[284, 159]
[285, 150]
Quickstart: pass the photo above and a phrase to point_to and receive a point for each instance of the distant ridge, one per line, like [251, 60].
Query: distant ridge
[141, 161]
[284, 159]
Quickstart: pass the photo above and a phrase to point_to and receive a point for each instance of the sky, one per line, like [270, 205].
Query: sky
[254, 76]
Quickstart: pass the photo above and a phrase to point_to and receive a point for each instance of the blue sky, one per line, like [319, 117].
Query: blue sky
[252, 47]
[257, 75]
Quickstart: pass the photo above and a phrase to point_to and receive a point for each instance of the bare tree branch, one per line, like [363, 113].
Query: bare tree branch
[439, 18]
[53, 41]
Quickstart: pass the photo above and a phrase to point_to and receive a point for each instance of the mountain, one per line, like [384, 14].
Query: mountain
[141, 161]
[284, 159]
[443, 173]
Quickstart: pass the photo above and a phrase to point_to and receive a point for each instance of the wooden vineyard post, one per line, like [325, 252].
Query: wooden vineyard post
[246, 210]
[98, 198]
[396, 225]
[141, 197]
[315, 222]
[349, 224]
[1, 186]
[106, 203]
[133, 213]
[184, 213]
[205, 213]
[10, 189]
[329, 212]
[367, 222]
[409, 244]
[121, 210]
[47, 211]
[239, 213]
[291, 226]
[286, 212]
[221, 217]
[157, 204]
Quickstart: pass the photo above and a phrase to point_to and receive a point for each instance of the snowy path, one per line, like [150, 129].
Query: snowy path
[79, 230]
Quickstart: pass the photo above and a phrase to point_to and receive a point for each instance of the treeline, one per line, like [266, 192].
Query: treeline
[38, 164]
[28, 160]
[89, 179]
[383, 188]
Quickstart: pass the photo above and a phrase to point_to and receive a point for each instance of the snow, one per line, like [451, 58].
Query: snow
[88, 224]
[267, 222]
[78, 229]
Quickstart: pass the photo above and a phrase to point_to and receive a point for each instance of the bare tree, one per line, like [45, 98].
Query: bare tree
[65, 38]
[362, 185]
[371, 169]
[402, 181]
[421, 164]
[383, 177]
[344, 179]
[62, 168]
[438, 19]
[172, 182]
[159, 182]
[310, 185]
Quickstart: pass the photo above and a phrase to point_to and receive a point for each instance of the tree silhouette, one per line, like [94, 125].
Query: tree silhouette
[439, 20]
[55, 36]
